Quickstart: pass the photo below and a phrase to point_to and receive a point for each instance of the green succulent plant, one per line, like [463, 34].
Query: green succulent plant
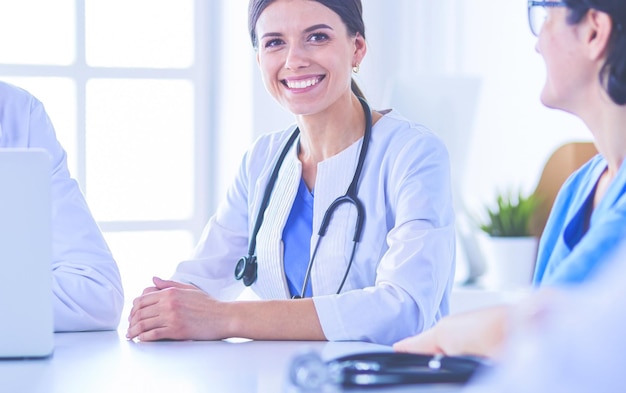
[511, 216]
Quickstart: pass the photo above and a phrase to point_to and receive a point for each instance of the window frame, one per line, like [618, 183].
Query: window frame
[206, 30]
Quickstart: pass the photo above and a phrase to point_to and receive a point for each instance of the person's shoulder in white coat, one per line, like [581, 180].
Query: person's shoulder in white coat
[87, 287]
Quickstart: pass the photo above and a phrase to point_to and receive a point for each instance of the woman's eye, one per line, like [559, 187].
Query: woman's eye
[273, 43]
[318, 37]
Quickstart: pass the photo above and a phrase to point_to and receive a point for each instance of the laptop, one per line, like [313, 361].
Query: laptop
[26, 328]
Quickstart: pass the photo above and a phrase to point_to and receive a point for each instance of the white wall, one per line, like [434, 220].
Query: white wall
[468, 44]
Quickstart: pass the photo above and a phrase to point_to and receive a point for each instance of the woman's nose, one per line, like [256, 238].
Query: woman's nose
[296, 58]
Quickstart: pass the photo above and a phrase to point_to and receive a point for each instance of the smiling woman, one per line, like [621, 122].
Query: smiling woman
[348, 211]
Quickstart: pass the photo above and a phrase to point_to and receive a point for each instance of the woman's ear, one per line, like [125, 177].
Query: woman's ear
[597, 34]
[360, 49]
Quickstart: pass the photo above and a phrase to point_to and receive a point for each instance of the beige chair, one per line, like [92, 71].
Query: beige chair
[561, 164]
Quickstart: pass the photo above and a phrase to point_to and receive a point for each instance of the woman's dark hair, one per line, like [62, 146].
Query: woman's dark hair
[350, 12]
[613, 73]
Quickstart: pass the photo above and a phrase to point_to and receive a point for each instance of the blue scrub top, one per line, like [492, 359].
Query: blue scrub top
[297, 241]
[577, 238]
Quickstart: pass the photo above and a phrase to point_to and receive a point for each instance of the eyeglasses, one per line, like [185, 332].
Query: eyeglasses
[538, 12]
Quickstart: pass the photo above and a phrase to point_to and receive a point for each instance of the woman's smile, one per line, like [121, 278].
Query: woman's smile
[302, 83]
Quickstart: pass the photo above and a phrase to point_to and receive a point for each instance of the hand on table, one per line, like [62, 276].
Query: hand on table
[171, 310]
[480, 333]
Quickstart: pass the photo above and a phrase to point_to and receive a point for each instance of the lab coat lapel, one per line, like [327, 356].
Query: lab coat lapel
[333, 178]
[271, 282]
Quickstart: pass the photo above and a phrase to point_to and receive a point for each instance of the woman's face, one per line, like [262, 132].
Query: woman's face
[569, 74]
[306, 55]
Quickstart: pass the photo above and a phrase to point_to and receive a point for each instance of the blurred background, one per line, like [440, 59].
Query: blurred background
[155, 102]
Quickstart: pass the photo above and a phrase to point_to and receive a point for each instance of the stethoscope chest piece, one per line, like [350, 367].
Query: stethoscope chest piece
[246, 270]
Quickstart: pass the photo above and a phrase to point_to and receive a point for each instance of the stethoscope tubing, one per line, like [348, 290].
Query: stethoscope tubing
[268, 191]
[349, 197]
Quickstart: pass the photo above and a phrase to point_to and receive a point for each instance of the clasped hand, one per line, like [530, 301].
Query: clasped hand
[171, 310]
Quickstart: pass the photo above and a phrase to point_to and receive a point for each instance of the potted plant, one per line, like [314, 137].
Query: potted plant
[509, 247]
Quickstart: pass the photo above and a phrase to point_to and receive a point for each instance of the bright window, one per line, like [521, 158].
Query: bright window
[126, 84]
[140, 33]
[44, 36]
[140, 149]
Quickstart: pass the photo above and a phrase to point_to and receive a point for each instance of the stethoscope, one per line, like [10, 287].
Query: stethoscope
[247, 268]
[310, 373]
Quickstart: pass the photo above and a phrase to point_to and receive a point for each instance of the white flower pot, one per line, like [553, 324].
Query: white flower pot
[510, 261]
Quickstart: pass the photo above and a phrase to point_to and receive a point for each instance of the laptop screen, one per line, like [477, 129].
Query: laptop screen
[25, 254]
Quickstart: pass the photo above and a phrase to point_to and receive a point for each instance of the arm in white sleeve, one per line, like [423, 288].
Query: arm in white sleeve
[225, 238]
[416, 271]
[223, 241]
[87, 287]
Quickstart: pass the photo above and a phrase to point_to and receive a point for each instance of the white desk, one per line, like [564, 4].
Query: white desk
[106, 362]
[467, 298]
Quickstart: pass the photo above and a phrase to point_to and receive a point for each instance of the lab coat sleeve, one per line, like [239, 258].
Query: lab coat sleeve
[223, 242]
[415, 274]
[225, 238]
[87, 287]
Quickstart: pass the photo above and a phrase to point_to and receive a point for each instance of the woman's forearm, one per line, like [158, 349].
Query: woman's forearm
[274, 320]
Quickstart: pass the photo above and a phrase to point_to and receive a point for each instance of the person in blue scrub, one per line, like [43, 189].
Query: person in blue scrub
[87, 287]
[583, 44]
[342, 223]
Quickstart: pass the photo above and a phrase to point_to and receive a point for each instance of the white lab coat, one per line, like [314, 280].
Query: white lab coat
[403, 269]
[87, 287]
